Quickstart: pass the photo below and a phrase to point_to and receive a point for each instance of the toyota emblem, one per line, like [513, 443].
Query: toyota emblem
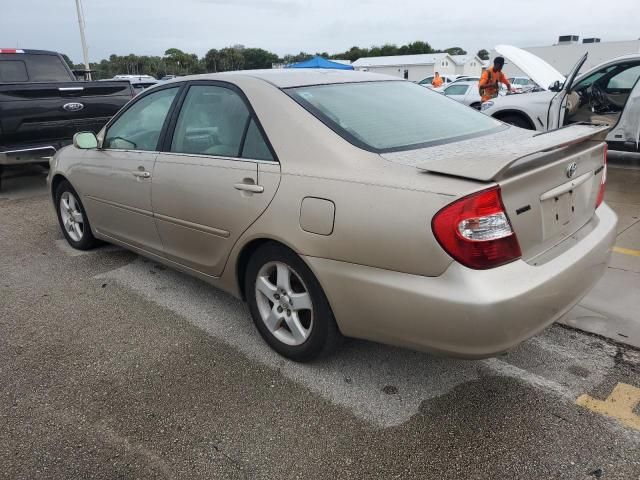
[571, 169]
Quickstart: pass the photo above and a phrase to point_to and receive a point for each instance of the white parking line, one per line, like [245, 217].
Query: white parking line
[356, 376]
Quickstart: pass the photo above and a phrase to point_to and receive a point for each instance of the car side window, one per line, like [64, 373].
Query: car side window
[212, 121]
[13, 71]
[625, 80]
[586, 82]
[254, 145]
[456, 90]
[139, 127]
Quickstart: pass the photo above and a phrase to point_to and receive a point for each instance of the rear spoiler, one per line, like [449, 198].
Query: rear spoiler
[492, 165]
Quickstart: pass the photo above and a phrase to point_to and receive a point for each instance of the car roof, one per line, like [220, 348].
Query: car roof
[294, 77]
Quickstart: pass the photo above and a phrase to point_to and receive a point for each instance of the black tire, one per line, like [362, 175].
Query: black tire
[517, 121]
[87, 241]
[324, 336]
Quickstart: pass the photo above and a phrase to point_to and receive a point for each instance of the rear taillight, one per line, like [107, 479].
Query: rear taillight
[476, 232]
[603, 180]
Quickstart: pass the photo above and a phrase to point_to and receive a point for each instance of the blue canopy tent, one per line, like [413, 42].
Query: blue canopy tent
[319, 62]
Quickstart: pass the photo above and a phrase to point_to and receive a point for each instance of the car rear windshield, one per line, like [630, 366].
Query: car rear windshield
[25, 67]
[388, 116]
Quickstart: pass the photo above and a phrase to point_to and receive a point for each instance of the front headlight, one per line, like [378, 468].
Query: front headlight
[486, 105]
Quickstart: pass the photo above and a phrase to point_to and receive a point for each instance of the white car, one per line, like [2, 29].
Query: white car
[426, 82]
[461, 78]
[607, 94]
[522, 84]
[466, 91]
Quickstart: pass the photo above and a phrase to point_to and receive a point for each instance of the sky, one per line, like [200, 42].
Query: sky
[149, 27]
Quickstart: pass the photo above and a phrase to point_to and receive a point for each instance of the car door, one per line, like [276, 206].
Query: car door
[626, 85]
[207, 189]
[558, 103]
[116, 177]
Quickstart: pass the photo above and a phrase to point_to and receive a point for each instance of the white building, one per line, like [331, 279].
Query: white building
[564, 55]
[411, 67]
[470, 65]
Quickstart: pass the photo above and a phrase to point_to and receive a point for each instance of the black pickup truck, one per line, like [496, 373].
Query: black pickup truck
[42, 105]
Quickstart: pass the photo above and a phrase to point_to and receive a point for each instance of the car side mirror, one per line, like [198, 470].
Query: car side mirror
[555, 86]
[85, 140]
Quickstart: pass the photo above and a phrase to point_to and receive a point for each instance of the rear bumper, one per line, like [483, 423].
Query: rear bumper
[467, 313]
[28, 154]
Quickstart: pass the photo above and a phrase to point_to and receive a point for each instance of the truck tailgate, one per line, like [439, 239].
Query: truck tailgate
[55, 111]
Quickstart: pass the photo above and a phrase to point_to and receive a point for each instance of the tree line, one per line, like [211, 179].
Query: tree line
[238, 57]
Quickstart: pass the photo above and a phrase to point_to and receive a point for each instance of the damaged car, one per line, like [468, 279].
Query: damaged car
[608, 94]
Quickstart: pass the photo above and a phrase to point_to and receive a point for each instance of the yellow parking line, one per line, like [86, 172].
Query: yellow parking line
[619, 405]
[627, 251]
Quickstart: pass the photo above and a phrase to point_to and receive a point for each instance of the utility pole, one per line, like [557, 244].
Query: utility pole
[85, 52]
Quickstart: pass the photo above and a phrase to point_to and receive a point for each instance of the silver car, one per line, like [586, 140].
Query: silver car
[341, 203]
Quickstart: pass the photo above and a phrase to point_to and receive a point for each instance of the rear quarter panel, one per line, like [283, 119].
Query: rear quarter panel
[383, 210]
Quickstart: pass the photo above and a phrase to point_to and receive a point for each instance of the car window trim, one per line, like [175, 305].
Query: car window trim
[244, 136]
[165, 147]
[218, 157]
[136, 99]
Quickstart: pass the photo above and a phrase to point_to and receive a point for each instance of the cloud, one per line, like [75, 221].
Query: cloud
[288, 26]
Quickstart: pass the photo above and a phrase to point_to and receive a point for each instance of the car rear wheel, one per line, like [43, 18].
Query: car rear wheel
[73, 218]
[288, 306]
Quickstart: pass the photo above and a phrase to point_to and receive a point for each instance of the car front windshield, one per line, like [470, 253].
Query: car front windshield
[386, 116]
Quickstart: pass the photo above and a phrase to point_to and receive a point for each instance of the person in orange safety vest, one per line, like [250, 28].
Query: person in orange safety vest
[437, 81]
[490, 80]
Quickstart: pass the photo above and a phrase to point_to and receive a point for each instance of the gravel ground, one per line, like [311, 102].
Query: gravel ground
[114, 367]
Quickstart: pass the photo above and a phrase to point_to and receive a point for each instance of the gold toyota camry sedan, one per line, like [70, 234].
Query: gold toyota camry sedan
[347, 204]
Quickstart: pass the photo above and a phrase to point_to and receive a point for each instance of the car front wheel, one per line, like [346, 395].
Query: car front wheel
[517, 121]
[288, 306]
[73, 218]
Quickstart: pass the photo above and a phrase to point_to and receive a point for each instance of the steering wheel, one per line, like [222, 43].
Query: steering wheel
[598, 96]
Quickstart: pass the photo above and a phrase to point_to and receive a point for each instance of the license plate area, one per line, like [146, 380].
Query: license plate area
[567, 206]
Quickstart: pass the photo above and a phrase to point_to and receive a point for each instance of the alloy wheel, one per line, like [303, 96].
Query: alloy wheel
[284, 303]
[71, 215]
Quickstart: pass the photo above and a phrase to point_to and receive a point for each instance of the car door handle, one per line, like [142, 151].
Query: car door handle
[249, 187]
[140, 174]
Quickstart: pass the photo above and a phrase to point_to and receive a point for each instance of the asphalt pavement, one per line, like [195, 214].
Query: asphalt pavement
[113, 366]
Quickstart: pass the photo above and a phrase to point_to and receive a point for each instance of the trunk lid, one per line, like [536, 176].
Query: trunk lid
[549, 181]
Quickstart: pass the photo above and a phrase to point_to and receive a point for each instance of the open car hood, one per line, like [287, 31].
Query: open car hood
[533, 66]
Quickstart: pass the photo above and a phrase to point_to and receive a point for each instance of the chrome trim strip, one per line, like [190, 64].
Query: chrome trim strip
[140, 211]
[127, 150]
[70, 89]
[194, 155]
[220, 157]
[566, 187]
[34, 149]
[194, 226]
